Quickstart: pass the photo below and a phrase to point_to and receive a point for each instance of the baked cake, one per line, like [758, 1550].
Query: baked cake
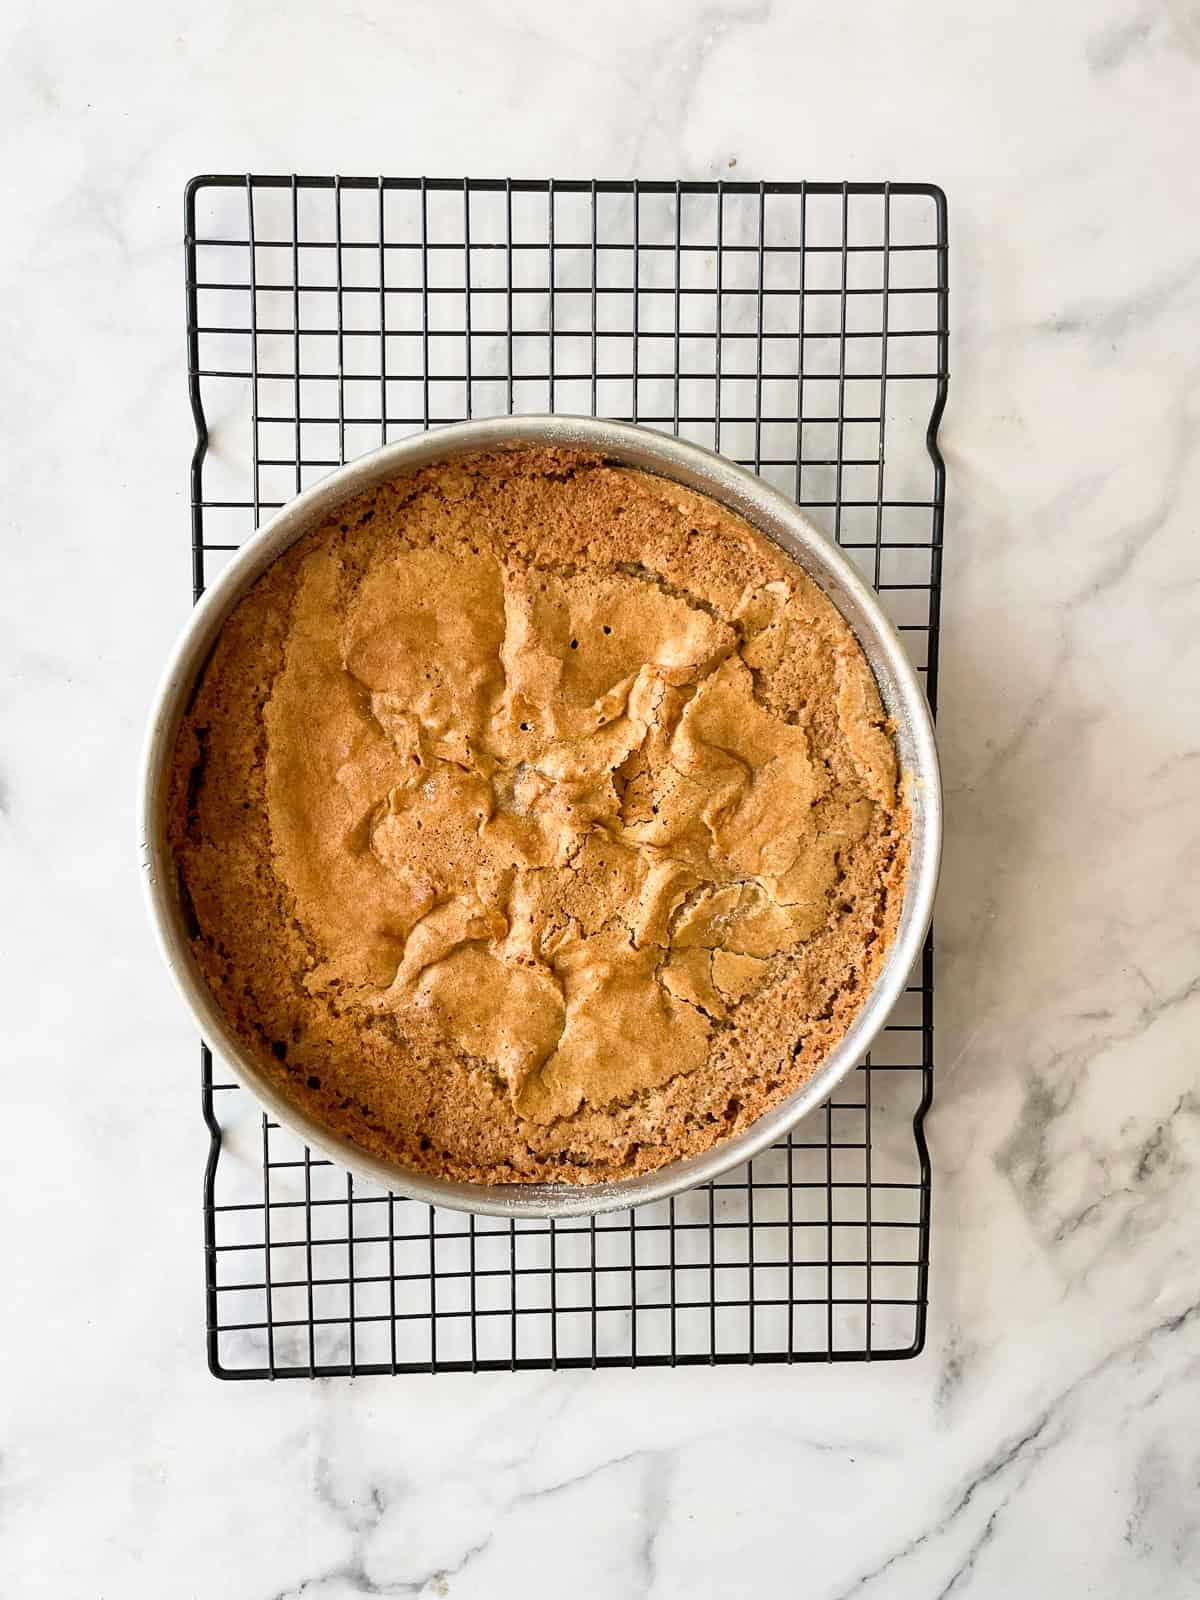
[537, 820]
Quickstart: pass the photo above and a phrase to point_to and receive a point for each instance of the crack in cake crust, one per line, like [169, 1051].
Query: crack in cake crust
[539, 820]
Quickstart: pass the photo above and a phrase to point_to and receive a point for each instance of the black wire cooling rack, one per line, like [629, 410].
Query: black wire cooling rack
[800, 328]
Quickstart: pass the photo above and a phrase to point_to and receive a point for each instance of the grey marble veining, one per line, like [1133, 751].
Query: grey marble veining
[1047, 1441]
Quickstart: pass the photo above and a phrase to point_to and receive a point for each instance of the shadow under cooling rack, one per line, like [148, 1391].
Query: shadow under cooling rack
[800, 329]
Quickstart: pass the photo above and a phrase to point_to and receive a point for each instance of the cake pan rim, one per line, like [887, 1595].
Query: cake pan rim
[775, 517]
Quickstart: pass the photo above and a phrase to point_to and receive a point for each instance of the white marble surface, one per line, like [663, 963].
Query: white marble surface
[1048, 1442]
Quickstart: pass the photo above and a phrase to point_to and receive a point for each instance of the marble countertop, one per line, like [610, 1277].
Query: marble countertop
[1046, 1442]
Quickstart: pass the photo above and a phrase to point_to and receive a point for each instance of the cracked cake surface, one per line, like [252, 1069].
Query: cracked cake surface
[537, 820]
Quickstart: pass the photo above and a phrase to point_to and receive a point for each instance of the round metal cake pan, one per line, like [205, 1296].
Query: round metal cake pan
[775, 516]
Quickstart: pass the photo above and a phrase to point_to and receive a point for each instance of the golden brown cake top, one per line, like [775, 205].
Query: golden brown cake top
[542, 791]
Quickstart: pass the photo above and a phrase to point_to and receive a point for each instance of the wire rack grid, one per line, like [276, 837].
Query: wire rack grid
[800, 328]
